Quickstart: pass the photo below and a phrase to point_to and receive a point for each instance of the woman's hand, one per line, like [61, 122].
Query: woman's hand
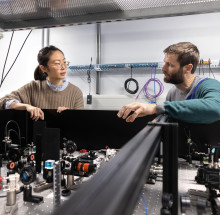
[60, 109]
[35, 112]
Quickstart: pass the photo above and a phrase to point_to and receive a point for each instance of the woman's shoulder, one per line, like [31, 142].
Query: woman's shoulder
[74, 87]
[35, 84]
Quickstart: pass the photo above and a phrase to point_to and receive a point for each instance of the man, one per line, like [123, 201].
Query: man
[193, 99]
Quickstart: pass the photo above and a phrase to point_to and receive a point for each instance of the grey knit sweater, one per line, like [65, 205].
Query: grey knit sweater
[39, 94]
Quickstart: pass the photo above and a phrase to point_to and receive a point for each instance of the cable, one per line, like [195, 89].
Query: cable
[210, 69]
[155, 71]
[145, 87]
[15, 58]
[89, 97]
[26, 149]
[7, 55]
[189, 137]
[145, 205]
[7, 132]
[127, 84]
[203, 71]
[89, 76]
[19, 139]
[130, 78]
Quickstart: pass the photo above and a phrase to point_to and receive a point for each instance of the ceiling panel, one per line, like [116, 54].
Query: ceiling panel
[23, 14]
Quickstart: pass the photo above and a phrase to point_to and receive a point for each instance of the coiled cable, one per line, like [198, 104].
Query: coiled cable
[127, 84]
[145, 87]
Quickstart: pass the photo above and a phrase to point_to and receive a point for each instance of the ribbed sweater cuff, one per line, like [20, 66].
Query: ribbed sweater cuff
[160, 109]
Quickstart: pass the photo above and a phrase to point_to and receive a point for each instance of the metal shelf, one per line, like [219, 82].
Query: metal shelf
[101, 67]
[214, 64]
[25, 14]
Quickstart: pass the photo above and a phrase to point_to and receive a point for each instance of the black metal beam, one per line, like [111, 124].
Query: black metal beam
[170, 167]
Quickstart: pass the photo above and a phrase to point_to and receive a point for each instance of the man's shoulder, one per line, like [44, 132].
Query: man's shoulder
[209, 85]
[210, 82]
[172, 90]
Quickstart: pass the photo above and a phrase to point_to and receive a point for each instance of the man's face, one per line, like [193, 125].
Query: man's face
[173, 73]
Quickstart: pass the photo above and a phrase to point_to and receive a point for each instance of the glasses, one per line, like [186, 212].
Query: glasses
[61, 65]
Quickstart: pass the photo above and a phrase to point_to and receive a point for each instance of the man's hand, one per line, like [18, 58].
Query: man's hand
[35, 112]
[60, 109]
[140, 109]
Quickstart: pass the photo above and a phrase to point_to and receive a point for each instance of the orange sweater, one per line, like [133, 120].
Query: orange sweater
[39, 94]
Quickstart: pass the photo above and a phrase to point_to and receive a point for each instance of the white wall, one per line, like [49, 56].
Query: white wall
[122, 42]
[23, 69]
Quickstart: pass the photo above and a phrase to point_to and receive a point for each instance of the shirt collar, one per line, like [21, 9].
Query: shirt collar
[60, 87]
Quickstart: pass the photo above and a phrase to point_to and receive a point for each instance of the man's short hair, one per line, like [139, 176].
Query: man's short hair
[187, 53]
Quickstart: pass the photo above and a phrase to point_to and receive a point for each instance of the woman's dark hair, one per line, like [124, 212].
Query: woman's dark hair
[43, 57]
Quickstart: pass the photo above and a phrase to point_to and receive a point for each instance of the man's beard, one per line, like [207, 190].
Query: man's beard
[176, 78]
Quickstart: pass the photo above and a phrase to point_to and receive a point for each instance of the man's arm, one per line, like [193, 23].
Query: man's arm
[140, 109]
[205, 108]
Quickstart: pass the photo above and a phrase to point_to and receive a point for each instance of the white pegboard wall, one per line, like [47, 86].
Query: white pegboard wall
[113, 94]
[80, 79]
[113, 79]
[114, 102]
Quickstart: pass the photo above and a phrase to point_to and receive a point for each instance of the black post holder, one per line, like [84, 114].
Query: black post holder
[28, 197]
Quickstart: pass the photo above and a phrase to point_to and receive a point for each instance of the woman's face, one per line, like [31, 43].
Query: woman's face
[56, 66]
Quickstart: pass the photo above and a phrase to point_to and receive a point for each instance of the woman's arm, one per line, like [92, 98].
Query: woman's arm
[35, 112]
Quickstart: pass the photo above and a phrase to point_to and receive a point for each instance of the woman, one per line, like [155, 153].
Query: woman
[50, 90]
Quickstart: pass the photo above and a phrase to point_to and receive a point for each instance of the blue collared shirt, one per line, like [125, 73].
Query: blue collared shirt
[52, 86]
[60, 87]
